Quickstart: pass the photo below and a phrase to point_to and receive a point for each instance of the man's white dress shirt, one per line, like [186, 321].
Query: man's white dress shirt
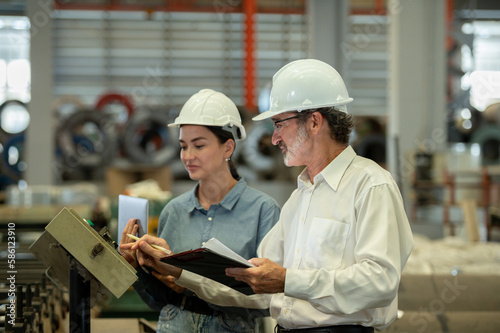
[344, 241]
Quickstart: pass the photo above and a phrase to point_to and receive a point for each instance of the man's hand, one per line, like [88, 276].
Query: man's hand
[266, 278]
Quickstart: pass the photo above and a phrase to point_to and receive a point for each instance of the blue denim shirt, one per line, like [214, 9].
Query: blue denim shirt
[240, 221]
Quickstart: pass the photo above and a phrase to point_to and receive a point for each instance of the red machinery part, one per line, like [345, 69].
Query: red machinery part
[114, 97]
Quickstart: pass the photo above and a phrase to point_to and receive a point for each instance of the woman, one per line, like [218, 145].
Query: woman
[221, 205]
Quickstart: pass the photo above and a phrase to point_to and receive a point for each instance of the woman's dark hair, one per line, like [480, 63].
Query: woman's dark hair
[223, 136]
[340, 123]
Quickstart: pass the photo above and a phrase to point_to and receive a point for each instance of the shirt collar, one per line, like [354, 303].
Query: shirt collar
[332, 173]
[227, 202]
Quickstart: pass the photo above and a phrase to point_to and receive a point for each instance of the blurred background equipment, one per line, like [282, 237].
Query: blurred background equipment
[14, 117]
[13, 156]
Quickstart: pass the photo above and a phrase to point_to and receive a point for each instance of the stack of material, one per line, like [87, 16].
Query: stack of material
[450, 285]
[452, 256]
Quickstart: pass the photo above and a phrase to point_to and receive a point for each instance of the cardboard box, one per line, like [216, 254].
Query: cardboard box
[117, 178]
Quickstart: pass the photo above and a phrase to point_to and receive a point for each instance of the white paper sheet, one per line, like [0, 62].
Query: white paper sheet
[132, 207]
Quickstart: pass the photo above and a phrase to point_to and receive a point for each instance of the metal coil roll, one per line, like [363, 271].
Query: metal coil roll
[106, 104]
[146, 139]
[488, 137]
[257, 149]
[86, 138]
[373, 146]
[65, 105]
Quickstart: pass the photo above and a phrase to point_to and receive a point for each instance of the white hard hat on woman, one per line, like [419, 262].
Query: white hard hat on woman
[211, 108]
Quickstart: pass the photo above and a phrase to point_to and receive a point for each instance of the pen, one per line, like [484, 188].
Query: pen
[152, 245]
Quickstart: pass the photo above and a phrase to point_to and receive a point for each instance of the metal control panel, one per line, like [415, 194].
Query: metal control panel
[90, 249]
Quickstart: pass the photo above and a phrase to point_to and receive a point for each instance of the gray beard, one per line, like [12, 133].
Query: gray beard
[294, 149]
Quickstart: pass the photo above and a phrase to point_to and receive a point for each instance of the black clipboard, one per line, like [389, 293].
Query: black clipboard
[210, 264]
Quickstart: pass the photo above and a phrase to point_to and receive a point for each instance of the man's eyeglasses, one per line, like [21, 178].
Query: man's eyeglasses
[278, 127]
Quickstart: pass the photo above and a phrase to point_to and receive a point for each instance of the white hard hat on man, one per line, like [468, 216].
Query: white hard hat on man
[211, 108]
[303, 85]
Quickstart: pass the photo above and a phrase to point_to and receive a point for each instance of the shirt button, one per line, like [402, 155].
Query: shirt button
[210, 219]
[298, 250]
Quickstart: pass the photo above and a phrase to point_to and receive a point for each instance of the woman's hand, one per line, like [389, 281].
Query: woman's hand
[149, 256]
[130, 255]
[169, 281]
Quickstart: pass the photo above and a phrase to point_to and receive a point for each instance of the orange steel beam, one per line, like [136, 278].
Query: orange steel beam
[379, 6]
[178, 6]
[450, 6]
[360, 11]
[249, 8]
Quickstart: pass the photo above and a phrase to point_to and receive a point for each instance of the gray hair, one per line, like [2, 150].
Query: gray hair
[339, 122]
